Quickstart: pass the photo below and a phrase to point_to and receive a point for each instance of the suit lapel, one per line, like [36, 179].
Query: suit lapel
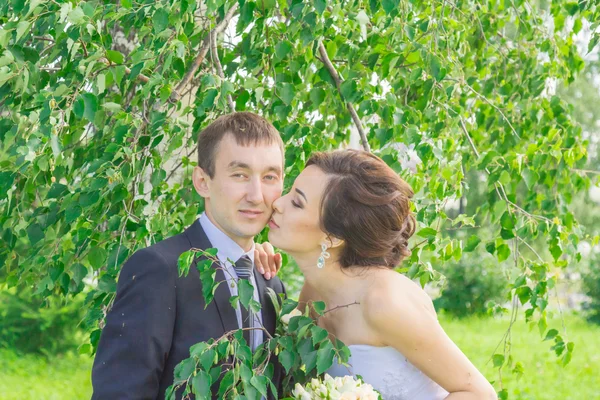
[199, 240]
[222, 296]
[268, 311]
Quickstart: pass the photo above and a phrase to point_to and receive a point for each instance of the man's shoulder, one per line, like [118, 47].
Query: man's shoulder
[166, 251]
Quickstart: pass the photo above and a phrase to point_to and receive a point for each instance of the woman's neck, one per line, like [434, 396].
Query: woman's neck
[332, 284]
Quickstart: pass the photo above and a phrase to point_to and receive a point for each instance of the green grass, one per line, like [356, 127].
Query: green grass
[544, 377]
[34, 377]
[68, 377]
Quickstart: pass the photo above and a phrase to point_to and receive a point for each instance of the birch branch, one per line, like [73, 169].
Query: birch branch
[176, 94]
[338, 82]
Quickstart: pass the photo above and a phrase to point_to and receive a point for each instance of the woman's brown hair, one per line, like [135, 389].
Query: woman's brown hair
[367, 205]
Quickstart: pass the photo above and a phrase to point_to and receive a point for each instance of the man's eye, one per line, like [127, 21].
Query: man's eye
[238, 175]
[271, 177]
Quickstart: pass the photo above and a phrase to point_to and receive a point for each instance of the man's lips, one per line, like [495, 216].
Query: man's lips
[251, 213]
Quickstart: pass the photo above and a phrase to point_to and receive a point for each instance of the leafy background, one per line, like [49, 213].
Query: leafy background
[485, 108]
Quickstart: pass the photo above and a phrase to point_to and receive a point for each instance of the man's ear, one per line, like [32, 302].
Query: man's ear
[201, 182]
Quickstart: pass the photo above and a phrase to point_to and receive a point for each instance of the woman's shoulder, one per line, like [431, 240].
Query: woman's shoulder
[393, 295]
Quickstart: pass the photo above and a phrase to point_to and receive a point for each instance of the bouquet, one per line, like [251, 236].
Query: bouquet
[346, 388]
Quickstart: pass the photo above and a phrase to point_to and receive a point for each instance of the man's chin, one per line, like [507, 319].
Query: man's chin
[252, 228]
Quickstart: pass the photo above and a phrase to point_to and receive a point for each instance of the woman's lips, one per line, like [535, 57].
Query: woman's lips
[273, 225]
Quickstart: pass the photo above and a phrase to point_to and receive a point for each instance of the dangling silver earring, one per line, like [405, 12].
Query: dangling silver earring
[324, 255]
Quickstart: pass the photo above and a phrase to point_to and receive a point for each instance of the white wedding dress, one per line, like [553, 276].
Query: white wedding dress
[390, 373]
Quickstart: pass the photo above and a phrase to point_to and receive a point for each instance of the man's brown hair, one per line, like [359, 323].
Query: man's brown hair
[247, 129]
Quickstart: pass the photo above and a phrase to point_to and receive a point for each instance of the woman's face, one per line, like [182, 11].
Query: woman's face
[295, 225]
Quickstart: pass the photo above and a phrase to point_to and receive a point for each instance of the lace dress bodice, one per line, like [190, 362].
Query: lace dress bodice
[390, 373]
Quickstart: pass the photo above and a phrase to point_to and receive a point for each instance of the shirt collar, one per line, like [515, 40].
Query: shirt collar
[227, 247]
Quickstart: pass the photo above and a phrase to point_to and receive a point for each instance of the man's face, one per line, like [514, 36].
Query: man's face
[246, 181]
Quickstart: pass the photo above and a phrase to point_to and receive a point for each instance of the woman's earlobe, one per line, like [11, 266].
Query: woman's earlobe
[335, 242]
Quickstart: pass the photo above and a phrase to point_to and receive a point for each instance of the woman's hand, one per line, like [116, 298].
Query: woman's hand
[266, 261]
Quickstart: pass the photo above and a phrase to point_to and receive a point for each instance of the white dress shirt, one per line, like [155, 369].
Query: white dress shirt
[230, 250]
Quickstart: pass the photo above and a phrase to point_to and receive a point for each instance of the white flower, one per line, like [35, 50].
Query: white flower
[339, 388]
[300, 393]
[286, 318]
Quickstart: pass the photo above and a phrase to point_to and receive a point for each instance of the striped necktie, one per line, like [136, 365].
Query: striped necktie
[244, 268]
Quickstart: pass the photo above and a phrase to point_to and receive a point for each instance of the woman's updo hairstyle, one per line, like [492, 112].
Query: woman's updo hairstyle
[367, 205]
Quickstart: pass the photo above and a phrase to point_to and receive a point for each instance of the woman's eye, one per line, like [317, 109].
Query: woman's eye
[296, 204]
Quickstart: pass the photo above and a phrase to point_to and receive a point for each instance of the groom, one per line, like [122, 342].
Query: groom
[157, 315]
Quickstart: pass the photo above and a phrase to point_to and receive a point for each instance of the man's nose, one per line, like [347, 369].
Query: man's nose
[254, 193]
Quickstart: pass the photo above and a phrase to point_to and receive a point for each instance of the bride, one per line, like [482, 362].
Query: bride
[346, 221]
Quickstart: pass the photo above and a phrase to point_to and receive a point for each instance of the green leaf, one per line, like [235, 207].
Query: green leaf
[115, 56]
[107, 284]
[427, 233]
[551, 334]
[201, 385]
[76, 16]
[436, 69]
[286, 92]
[310, 360]
[207, 358]
[184, 262]
[88, 199]
[503, 252]
[349, 91]
[317, 96]
[320, 6]
[318, 334]
[119, 193]
[282, 49]
[260, 383]
[79, 107]
[197, 349]
[22, 28]
[507, 221]
[56, 191]
[556, 251]
[184, 369]
[35, 233]
[593, 42]
[319, 307]
[472, 243]
[530, 177]
[90, 106]
[160, 20]
[503, 394]
[390, 6]
[331, 49]
[287, 359]
[325, 356]
[72, 213]
[112, 107]
[498, 360]
[274, 300]
[97, 257]
[245, 291]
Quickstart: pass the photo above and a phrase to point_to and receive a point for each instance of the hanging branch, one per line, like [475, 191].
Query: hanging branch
[215, 57]
[108, 63]
[338, 82]
[176, 94]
